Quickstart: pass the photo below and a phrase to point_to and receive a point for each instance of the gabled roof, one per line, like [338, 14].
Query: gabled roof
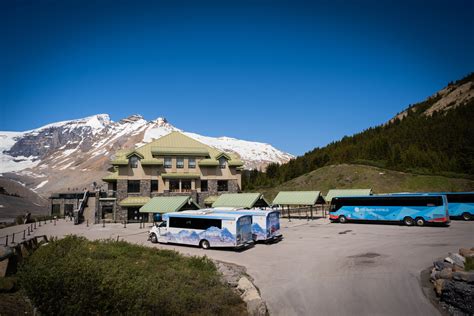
[298, 198]
[241, 200]
[167, 204]
[346, 192]
[176, 144]
[134, 153]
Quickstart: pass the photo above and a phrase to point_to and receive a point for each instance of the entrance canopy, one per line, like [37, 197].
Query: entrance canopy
[307, 198]
[166, 204]
[134, 201]
[241, 200]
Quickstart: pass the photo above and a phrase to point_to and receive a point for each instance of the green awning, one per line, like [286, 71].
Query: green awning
[180, 175]
[298, 198]
[134, 201]
[210, 199]
[241, 200]
[346, 192]
[166, 204]
[111, 177]
[236, 163]
[119, 162]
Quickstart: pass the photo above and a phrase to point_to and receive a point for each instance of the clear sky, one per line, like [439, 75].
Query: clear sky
[294, 74]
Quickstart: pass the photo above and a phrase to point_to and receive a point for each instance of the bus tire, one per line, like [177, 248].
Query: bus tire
[466, 216]
[420, 221]
[342, 219]
[204, 244]
[153, 238]
[408, 221]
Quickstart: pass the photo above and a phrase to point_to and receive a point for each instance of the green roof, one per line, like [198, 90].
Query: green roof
[180, 175]
[165, 204]
[298, 198]
[134, 201]
[180, 151]
[346, 192]
[241, 200]
[177, 144]
[119, 162]
[111, 177]
[135, 153]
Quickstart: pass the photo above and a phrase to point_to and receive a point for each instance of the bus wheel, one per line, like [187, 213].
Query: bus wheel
[466, 216]
[205, 244]
[408, 221]
[342, 219]
[420, 221]
[153, 238]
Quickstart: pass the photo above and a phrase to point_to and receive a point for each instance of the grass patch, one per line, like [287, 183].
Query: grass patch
[469, 265]
[77, 276]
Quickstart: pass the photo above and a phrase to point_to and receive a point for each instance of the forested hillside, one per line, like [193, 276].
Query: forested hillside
[435, 136]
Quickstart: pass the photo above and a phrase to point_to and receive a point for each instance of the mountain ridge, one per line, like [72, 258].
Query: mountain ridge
[73, 154]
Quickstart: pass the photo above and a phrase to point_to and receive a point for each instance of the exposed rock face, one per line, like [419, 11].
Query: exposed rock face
[71, 155]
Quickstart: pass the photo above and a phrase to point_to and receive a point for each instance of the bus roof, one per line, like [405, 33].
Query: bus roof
[389, 195]
[244, 211]
[210, 215]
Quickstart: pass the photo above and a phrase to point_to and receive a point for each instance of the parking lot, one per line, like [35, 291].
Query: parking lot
[322, 268]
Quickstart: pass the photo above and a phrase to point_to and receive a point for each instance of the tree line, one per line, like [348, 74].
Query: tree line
[438, 144]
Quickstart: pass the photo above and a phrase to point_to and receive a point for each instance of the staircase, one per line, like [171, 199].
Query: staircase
[79, 212]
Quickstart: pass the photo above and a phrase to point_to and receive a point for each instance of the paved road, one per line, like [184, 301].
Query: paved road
[327, 269]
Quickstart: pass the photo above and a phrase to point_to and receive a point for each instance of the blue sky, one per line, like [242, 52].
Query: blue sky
[294, 74]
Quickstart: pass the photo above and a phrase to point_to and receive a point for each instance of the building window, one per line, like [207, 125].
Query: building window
[222, 185]
[154, 185]
[168, 163]
[185, 185]
[204, 186]
[133, 186]
[191, 163]
[134, 162]
[180, 163]
[174, 185]
[222, 162]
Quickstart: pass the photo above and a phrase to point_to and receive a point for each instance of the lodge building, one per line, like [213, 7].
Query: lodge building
[172, 165]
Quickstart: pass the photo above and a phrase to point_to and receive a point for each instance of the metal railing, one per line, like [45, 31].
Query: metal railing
[304, 212]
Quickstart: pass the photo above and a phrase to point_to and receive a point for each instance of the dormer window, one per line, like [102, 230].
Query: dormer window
[222, 162]
[134, 162]
[180, 163]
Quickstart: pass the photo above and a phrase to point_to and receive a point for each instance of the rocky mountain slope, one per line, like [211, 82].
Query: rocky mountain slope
[71, 155]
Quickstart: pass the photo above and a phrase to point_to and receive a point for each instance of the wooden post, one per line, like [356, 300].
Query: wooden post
[13, 238]
[289, 216]
[6, 240]
[28, 230]
[24, 234]
[103, 223]
[311, 211]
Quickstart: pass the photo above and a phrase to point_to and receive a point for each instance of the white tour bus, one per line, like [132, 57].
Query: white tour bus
[265, 224]
[205, 229]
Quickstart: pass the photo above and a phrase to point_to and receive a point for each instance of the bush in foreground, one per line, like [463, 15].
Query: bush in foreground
[77, 276]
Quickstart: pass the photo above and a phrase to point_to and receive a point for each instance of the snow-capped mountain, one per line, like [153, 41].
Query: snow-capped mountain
[73, 154]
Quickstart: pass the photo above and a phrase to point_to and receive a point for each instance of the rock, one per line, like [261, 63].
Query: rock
[440, 265]
[446, 273]
[4, 267]
[466, 253]
[457, 268]
[464, 276]
[449, 260]
[5, 252]
[439, 286]
[244, 284]
[250, 295]
[457, 259]
[459, 295]
[433, 274]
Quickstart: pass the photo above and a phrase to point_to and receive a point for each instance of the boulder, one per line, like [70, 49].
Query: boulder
[446, 273]
[466, 253]
[438, 285]
[4, 267]
[457, 259]
[465, 276]
[250, 295]
[459, 295]
[440, 265]
[244, 284]
[457, 268]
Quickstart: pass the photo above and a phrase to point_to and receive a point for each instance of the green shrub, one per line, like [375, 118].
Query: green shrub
[469, 264]
[77, 276]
